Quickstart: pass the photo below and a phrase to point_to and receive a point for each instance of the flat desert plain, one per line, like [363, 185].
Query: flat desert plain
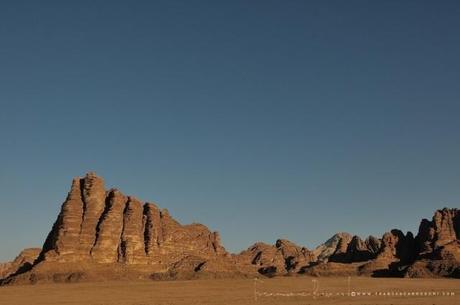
[283, 290]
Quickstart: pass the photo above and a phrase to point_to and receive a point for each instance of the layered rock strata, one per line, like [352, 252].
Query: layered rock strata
[23, 261]
[101, 226]
[104, 234]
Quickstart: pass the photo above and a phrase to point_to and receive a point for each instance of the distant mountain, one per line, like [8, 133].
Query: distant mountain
[102, 234]
[23, 261]
[324, 251]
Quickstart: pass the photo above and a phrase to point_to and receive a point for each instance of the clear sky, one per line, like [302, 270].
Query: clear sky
[261, 119]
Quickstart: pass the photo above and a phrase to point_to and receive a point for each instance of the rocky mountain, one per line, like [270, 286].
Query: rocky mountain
[103, 234]
[23, 261]
[281, 258]
[108, 227]
[435, 251]
[328, 248]
[356, 250]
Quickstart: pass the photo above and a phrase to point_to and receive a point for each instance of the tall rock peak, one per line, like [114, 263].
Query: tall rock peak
[101, 226]
[101, 231]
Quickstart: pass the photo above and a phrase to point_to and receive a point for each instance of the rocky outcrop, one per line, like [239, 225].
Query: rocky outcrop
[336, 244]
[295, 257]
[397, 246]
[443, 222]
[23, 261]
[97, 227]
[433, 252]
[441, 230]
[438, 246]
[103, 234]
[445, 262]
[356, 250]
[282, 258]
[373, 244]
[109, 229]
[101, 226]
[5, 269]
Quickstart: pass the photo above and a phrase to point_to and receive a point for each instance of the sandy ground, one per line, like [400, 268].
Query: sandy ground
[299, 290]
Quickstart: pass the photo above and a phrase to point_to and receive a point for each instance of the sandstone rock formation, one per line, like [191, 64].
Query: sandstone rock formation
[356, 250]
[23, 261]
[441, 230]
[103, 228]
[108, 227]
[282, 258]
[438, 246]
[433, 252]
[104, 234]
[337, 243]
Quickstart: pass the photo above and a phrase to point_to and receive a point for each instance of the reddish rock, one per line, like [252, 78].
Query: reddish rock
[336, 244]
[109, 228]
[357, 250]
[132, 247]
[443, 223]
[373, 244]
[93, 195]
[106, 235]
[23, 261]
[267, 258]
[443, 229]
[281, 258]
[63, 241]
[99, 227]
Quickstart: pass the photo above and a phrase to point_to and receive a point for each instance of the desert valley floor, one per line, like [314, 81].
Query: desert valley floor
[281, 290]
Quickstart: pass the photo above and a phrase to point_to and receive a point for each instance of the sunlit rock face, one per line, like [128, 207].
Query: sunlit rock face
[103, 234]
[101, 226]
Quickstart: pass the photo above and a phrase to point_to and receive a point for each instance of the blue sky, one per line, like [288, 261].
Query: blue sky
[260, 119]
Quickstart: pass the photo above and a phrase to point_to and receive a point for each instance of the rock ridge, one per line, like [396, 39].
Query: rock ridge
[104, 234]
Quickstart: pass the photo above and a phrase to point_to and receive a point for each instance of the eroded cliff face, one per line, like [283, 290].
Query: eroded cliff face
[444, 228]
[281, 258]
[101, 226]
[438, 246]
[104, 234]
[435, 251]
[24, 260]
[337, 243]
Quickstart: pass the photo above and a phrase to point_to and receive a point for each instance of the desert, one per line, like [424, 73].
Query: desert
[109, 248]
[103, 234]
[286, 290]
[263, 152]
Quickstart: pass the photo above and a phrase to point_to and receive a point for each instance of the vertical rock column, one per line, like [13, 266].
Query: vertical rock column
[153, 231]
[63, 241]
[132, 247]
[93, 195]
[443, 221]
[109, 230]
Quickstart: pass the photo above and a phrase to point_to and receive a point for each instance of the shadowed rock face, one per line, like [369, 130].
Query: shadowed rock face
[356, 250]
[397, 246]
[337, 243]
[373, 244]
[103, 234]
[443, 223]
[23, 261]
[435, 251]
[438, 246]
[281, 258]
[108, 227]
[425, 237]
[457, 224]
[441, 230]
